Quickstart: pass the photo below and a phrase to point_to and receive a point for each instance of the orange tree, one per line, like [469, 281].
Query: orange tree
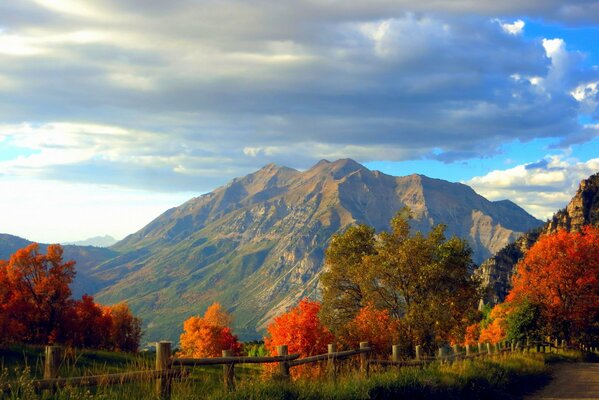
[560, 274]
[208, 335]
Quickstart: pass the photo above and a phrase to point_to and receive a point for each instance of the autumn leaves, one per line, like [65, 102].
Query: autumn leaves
[36, 306]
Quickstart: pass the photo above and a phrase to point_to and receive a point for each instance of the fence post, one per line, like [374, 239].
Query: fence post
[331, 364]
[52, 362]
[442, 354]
[228, 372]
[163, 358]
[283, 365]
[418, 352]
[394, 353]
[364, 359]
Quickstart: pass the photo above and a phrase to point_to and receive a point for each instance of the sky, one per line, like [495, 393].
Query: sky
[112, 111]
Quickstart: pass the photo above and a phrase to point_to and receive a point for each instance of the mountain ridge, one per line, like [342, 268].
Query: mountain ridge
[256, 244]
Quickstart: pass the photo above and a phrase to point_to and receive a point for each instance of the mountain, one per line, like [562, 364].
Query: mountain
[86, 257]
[257, 244]
[583, 209]
[97, 241]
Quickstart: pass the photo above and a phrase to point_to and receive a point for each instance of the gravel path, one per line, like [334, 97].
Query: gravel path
[571, 381]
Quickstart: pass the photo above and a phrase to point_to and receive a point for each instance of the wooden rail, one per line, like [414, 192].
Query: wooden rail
[168, 367]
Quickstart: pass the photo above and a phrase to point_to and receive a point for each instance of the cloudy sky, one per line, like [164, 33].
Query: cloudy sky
[112, 111]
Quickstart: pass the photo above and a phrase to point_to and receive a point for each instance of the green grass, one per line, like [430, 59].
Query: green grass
[500, 377]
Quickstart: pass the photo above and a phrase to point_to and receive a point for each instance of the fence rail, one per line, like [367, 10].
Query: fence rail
[169, 368]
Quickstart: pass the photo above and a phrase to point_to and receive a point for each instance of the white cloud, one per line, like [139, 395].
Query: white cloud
[515, 28]
[541, 188]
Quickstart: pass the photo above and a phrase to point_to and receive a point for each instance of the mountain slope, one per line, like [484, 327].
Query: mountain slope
[583, 209]
[257, 243]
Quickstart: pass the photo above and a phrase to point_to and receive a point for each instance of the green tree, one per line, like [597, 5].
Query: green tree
[424, 281]
[343, 282]
[524, 321]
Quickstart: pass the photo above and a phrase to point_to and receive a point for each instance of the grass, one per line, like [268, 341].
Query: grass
[500, 377]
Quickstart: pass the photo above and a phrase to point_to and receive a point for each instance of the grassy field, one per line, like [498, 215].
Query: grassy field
[500, 377]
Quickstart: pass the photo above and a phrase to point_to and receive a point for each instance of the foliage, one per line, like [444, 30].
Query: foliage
[523, 321]
[423, 281]
[36, 306]
[560, 274]
[255, 349]
[344, 282]
[209, 335]
[375, 326]
[125, 329]
[35, 295]
[301, 330]
[494, 331]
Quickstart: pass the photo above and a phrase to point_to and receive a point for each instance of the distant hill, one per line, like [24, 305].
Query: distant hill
[86, 258]
[97, 241]
[583, 209]
[257, 243]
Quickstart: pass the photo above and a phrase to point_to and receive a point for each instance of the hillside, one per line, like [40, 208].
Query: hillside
[583, 209]
[257, 243]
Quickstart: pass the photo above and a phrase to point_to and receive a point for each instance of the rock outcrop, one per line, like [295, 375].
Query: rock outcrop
[496, 272]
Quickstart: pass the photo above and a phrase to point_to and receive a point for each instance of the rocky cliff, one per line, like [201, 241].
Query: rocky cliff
[496, 272]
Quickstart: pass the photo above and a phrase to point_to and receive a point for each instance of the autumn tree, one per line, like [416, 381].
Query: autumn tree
[560, 274]
[125, 328]
[91, 325]
[301, 330]
[376, 326]
[208, 335]
[35, 294]
[422, 280]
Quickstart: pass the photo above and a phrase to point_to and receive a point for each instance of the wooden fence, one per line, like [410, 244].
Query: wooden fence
[169, 368]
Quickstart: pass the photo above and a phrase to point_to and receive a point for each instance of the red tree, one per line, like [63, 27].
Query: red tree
[561, 274]
[301, 330]
[91, 325]
[36, 297]
[125, 328]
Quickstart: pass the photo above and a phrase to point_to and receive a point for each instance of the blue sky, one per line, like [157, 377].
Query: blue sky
[110, 113]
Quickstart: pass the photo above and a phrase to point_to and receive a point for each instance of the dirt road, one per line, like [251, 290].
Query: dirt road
[571, 381]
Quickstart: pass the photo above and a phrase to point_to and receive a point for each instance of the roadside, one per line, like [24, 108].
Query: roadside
[571, 381]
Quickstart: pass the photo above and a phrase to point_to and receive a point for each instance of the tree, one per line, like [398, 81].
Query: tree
[375, 326]
[36, 297]
[125, 328]
[422, 280]
[209, 335]
[92, 326]
[343, 281]
[560, 274]
[301, 330]
[523, 320]
[493, 329]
